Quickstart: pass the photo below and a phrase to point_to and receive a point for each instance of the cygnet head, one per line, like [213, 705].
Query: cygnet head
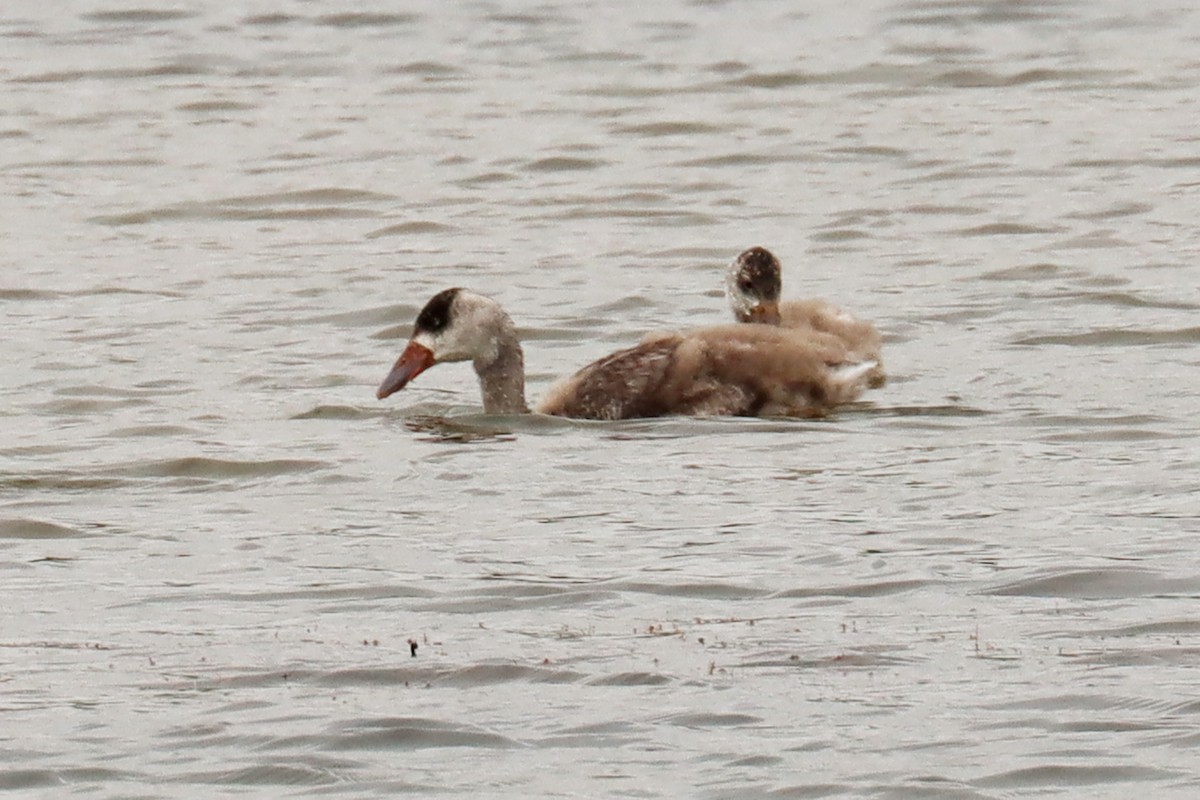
[455, 325]
[752, 285]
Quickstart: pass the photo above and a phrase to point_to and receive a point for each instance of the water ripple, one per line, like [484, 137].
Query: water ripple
[1114, 337]
[36, 529]
[214, 469]
[410, 733]
[1108, 583]
[332, 203]
[1065, 776]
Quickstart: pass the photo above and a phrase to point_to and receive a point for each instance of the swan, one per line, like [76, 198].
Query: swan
[728, 370]
[752, 284]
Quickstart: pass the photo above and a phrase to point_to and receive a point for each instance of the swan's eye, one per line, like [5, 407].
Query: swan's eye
[745, 284]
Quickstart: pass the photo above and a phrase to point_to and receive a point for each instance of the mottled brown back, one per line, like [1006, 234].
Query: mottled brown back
[731, 370]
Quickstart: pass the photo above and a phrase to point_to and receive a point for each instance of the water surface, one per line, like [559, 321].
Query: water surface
[219, 550]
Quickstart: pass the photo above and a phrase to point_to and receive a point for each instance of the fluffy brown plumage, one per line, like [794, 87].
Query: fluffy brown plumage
[753, 284]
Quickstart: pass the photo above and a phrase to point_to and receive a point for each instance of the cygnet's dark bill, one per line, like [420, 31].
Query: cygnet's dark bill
[415, 359]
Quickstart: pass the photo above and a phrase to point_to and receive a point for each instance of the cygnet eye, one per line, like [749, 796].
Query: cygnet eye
[745, 284]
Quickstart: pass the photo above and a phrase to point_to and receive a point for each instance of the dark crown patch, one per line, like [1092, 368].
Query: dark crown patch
[435, 316]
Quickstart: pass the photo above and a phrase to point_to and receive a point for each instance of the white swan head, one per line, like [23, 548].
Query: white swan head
[455, 325]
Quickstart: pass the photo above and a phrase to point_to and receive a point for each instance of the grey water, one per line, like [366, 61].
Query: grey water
[226, 569]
